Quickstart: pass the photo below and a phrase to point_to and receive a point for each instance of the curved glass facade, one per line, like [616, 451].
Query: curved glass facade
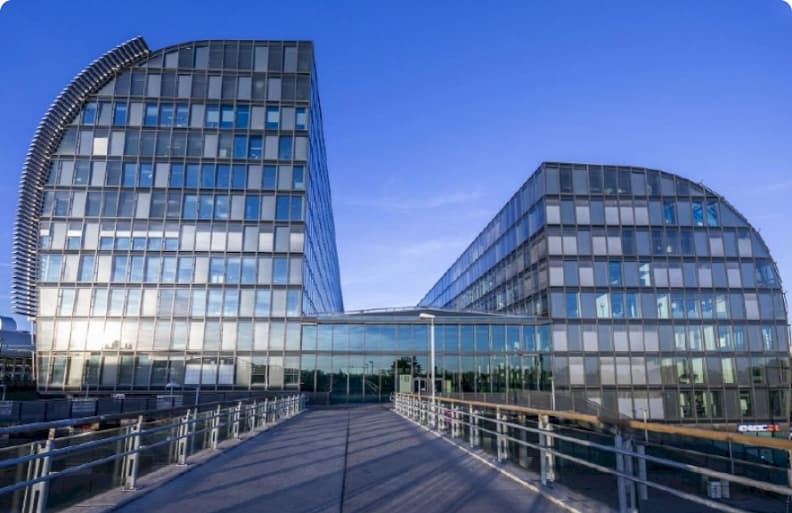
[185, 221]
[660, 296]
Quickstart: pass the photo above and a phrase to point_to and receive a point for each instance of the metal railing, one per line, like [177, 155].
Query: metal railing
[597, 456]
[44, 410]
[48, 475]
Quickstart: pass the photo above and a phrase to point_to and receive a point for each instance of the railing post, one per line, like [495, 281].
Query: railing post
[500, 420]
[214, 434]
[235, 422]
[130, 461]
[251, 416]
[440, 415]
[621, 486]
[643, 490]
[35, 500]
[546, 458]
[630, 471]
[474, 422]
[522, 450]
[181, 439]
[257, 414]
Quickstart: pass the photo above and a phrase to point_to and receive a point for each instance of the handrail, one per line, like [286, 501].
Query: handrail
[461, 419]
[655, 427]
[243, 415]
[76, 421]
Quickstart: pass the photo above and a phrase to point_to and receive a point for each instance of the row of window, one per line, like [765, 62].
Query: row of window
[143, 371]
[667, 338]
[237, 55]
[593, 179]
[626, 212]
[213, 302]
[148, 335]
[639, 370]
[173, 205]
[571, 337]
[517, 276]
[201, 86]
[140, 235]
[748, 274]
[263, 270]
[676, 305]
[271, 117]
[176, 144]
[176, 175]
[656, 242]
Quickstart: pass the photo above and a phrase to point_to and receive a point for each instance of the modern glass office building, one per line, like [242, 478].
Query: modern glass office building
[175, 227]
[661, 298]
[174, 220]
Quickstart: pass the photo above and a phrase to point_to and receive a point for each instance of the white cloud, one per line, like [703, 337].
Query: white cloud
[788, 2]
[2, 3]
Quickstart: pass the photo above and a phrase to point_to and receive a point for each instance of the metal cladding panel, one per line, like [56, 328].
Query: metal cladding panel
[34, 172]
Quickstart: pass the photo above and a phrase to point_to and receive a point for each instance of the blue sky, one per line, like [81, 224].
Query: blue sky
[435, 112]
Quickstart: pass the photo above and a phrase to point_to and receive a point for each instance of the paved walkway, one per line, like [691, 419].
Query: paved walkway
[363, 459]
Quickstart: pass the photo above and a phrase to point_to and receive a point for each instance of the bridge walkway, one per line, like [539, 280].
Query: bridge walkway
[359, 459]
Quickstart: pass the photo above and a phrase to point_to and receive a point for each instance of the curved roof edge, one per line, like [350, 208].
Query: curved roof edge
[422, 302]
[34, 171]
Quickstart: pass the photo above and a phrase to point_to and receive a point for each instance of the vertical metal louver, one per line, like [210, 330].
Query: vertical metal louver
[34, 172]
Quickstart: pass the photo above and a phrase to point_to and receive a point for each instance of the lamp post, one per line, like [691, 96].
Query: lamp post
[431, 317]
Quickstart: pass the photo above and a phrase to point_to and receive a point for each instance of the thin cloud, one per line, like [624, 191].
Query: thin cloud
[436, 201]
[772, 187]
[431, 247]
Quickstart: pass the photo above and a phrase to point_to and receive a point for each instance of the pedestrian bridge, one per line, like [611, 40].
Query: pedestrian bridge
[412, 455]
